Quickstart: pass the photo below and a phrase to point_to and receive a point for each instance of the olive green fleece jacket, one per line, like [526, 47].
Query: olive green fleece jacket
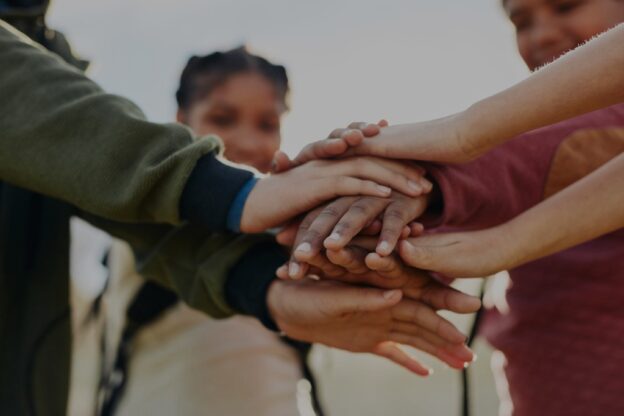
[68, 148]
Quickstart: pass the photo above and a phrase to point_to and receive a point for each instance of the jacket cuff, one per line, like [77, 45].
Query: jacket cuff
[249, 280]
[210, 191]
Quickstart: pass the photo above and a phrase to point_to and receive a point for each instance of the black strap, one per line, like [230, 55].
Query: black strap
[149, 304]
[464, 374]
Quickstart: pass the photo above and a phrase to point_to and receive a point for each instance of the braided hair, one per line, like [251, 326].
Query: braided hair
[202, 74]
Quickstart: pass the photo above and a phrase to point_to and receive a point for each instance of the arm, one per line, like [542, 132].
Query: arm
[64, 137]
[583, 211]
[582, 81]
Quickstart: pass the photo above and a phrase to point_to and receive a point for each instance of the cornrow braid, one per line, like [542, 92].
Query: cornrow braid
[203, 73]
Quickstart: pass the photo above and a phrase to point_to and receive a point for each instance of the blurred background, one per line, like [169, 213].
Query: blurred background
[349, 60]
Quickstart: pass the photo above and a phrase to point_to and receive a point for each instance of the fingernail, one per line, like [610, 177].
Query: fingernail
[346, 133]
[383, 247]
[430, 371]
[334, 236]
[293, 269]
[427, 186]
[389, 293]
[415, 186]
[384, 189]
[466, 365]
[474, 358]
[282, 270]
[304, 248]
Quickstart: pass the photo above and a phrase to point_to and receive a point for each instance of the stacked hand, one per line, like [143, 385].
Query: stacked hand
[364, 302]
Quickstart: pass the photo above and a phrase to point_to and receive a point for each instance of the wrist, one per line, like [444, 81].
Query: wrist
[510, 243]
[235, 213]
[466, 127]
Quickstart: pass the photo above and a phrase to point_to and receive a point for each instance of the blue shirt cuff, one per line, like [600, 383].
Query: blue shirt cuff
[236, 209]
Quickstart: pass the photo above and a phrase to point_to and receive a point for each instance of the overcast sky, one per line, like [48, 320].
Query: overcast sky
[348, 60]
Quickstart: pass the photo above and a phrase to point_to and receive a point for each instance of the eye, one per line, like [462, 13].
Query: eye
[521, 23]
[564, 7]
[221, 120]
[269, 126]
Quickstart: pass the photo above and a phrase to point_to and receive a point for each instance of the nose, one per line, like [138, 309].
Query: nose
[546, 32]
[250, 147]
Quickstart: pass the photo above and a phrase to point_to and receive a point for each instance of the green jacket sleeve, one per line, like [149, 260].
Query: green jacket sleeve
[64, 137]
[218, 274]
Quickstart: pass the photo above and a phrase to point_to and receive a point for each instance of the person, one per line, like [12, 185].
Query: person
[60, 156]
[556, 328]
[241, 98]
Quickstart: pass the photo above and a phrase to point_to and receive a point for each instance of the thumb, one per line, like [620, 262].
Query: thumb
[281, 162]
[421, 257]
[351, 299]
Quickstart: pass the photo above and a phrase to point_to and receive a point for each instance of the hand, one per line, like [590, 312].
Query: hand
[279, 198]
[355, 319]
[335, 225]
[465, 254]
[338, 141]
[442, 140]
[440, 338]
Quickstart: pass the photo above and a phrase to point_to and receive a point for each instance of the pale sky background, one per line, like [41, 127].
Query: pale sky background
[405, 60]
[348, 60]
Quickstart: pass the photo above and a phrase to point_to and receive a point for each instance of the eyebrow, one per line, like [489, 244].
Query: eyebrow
[516, 11]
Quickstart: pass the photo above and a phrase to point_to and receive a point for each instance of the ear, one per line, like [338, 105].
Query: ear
[181, 116]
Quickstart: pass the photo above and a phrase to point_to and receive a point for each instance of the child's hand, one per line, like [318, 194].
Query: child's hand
[443, 140]
[359, 319]
[465, 254]
[278, 198]
[335, 225]
[336, 144]
[390, 272]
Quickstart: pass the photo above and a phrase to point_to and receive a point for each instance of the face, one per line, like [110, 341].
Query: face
[546, 29]
[245, 113]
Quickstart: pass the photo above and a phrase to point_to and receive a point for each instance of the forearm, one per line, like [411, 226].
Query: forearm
[64, 137]
[589, 208]
[582, 81]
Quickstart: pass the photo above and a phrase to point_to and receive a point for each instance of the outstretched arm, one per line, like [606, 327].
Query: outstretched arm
[585, 210]
[581, 81]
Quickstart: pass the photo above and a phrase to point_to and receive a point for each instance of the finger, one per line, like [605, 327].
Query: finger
[422, 315]
[417, 183]
[399, 176]
[416, 229]
[293, 265]
[388, 266]
[441, 296]
[288, 234]
[349, 258]
[395, 218]
[392, 352]
[322, 149]
[310, 240]
[332, 187]
[327, 268]
[359, 214]
[367, 129]
[297, 270]
[352, 299]
[422, 256]
[281, 162]
[282, 272]
[383, 123]
[419, 343]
